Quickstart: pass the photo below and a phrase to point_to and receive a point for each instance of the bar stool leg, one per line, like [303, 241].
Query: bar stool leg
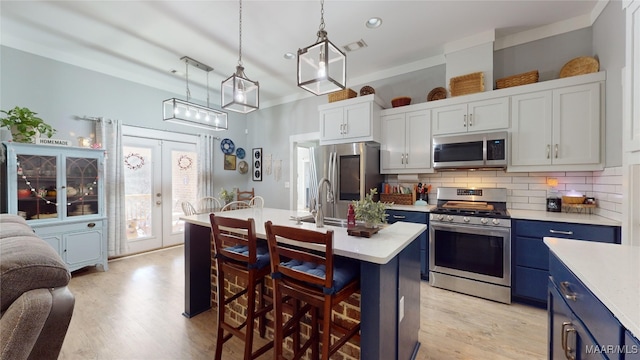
[277, 328]
[326, 329]
[221, 307]
[315, 354]
[250, 321]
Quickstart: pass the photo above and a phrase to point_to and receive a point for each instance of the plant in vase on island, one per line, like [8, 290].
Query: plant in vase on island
[369, 211]
[227, 196]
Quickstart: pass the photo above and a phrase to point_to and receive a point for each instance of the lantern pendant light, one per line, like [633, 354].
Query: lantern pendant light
[322, 66]
[240, 94]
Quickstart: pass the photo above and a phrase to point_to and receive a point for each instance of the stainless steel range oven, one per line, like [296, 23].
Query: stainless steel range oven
[470, 243]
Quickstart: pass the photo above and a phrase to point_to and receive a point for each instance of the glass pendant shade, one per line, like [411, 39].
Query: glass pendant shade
[322, 67]
[190, 114]
[240, 94]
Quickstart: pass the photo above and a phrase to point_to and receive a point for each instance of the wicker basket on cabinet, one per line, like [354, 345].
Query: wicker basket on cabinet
[342, 95]
[518, 79]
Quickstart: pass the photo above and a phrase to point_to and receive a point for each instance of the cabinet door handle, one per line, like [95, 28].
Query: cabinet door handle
[561, 232]
[406, 157]
[346, 128]
[402, 158]
[399, 216]
[91, 225]
[464, 123]
[564, 335]
[566, 292]
[548, 150]
[470, 119]
[556, 151]
[568, 350]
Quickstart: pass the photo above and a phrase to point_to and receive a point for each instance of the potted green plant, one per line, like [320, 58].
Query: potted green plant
[227, 196]
[24, 124]
[369, 211]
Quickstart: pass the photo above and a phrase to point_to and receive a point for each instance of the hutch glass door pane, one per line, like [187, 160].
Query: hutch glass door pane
[37, 186]
[82, 186]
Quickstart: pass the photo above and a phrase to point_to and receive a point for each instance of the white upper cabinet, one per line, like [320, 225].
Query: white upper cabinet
[491, 114]
[557, 129]
[352, 120]
[406, 142]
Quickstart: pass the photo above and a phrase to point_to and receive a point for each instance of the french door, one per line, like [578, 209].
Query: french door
[159, 175]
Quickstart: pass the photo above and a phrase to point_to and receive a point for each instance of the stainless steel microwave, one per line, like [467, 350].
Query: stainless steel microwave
[470, 151]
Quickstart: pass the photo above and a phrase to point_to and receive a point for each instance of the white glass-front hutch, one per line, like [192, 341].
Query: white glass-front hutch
[59, 191]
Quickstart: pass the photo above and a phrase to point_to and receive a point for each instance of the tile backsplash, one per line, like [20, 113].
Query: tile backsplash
[528, 191]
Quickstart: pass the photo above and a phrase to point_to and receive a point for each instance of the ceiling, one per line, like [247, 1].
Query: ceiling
[143, 41]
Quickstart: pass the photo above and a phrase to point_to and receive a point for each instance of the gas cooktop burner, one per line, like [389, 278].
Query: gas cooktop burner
[501, 214]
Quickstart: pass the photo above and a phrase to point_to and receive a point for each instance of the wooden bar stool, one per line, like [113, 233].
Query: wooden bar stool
[238, 253]
[315, 279]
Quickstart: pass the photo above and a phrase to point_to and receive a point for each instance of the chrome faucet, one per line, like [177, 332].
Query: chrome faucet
[329, 196]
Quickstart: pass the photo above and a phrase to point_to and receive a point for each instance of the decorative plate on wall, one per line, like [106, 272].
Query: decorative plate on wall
[243, 167]
[240, 153]
[227, 146]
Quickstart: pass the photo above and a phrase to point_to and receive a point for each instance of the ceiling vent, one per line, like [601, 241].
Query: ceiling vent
[357, 45]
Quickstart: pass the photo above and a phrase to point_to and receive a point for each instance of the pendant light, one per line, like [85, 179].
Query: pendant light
[240, 94]
[187, 113]
[322, 66]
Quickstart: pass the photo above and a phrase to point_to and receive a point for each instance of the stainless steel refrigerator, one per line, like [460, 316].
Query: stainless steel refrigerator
[352, 169]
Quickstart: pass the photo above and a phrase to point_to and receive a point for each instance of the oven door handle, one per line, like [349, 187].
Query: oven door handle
[470, 229]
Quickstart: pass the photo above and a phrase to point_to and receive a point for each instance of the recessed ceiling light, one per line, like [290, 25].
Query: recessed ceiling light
[374, 22]
[289, 55]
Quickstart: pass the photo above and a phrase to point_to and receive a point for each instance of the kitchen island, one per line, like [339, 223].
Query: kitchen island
[389, 268]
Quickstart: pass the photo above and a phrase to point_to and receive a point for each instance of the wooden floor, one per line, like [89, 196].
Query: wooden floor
[134, 311]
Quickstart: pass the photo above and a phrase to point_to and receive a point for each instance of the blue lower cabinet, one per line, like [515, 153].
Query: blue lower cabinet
[631, 347]
[417, 217]
[591, 329]
[530, 259]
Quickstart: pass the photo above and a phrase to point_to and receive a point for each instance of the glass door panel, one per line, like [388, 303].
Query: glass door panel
[37, 186]
[184, 184]
[82, 186]
[159, 175]
[139, 171]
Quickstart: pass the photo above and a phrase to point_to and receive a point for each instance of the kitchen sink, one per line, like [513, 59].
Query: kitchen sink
[328, 221]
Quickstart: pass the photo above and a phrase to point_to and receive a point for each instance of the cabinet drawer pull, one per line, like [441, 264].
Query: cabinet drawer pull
[399, 217]
[566, 292]
[564, 335]
[91, 225]
[561, 232]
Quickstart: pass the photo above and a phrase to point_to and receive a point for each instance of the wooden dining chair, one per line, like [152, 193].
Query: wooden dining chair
[235, 205]
[316, 279]
[238, 253]
[245, 195]
[208, 204]
[188, 208]
[257, 201]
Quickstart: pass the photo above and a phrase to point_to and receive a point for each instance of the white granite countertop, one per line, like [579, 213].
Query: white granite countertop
[563, 217]
[610, 271]
[379, 249]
